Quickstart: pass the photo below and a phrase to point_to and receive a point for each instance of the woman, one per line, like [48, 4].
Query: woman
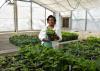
[43, 36]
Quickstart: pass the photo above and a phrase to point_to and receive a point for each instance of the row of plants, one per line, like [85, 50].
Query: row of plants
[39, 58]
[67, 36]
[88, 49]
[76, 56]
[92, 39]
[24, 39]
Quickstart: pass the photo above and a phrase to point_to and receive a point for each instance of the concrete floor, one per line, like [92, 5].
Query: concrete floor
[5, 45]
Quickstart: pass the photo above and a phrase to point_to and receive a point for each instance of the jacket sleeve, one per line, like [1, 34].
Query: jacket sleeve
[42, 34]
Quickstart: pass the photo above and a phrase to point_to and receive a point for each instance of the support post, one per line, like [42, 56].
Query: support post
[31, 19]
[70, 21]
[45, 16]
[86, 21]
[15, 16]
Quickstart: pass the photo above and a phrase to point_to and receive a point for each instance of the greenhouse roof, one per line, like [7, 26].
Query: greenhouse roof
[64, 5]
[67, 5]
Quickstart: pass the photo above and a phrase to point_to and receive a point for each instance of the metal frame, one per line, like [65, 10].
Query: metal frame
[15, 16]
[6, 31]
[31, 15]
[70, 21]
[45, 16]
[86, 21]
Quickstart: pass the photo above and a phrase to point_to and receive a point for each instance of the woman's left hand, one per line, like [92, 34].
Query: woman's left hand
[56, 37]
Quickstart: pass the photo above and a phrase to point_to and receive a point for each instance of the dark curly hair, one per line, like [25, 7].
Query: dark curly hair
[51, 16]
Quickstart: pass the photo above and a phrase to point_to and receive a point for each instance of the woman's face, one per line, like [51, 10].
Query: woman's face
[51, 22]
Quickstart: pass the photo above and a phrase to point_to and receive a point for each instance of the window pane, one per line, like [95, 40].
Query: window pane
[24, 15]
[7, 18]
[2, 2]
[93, 23]
[78, 20]
[38, 16]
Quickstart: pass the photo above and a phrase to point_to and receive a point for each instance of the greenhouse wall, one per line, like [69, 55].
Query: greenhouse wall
[83, 22]
[7, 18]
[78, 20]
[23, 15]
[31, 16]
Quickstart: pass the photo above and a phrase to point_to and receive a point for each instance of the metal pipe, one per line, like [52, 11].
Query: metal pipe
[45, 16]
[31, 15]
[86, 21]
[15, 16]
[70, 21]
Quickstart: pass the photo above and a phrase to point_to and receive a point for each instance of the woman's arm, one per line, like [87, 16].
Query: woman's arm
[42, 35]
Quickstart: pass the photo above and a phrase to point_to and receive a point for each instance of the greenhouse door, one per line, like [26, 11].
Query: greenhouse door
[65, 22]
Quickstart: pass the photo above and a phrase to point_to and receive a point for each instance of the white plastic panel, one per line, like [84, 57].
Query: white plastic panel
[93, 23]
[24, 15]
[38, 15]
[78, 20]
[65, 14]
[95, 12]
[2, 2]
[65, 5]
[79, 14]
[7, 18]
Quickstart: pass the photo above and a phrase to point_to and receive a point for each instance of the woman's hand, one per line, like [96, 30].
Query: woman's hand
[46, 40]
[56, 37]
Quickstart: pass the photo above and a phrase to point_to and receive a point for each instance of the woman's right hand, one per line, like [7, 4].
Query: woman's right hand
[46, 40]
